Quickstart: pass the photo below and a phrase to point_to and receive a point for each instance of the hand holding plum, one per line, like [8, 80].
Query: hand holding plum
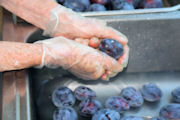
[83, 61]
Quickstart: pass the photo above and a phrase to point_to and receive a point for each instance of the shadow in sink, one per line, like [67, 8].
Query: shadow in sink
[44, 81]
[37, 36]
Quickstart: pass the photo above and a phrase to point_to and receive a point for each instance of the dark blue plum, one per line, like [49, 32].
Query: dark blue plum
[117, 103]
[132, 118]
[111, 47]
[157, 118]
[170, 112]
[65, 113]
[121, 5]
[176, 94]
[152, 4]
[96, 7]
[151, 92]
[60, 1]
[75, 5]
[82, 93]
[106, 114]
[133, 96]
[88, 108]
[63, 97]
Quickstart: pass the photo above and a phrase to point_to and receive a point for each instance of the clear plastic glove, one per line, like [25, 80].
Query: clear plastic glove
[83, 61]
[94, 42]
[67, 23]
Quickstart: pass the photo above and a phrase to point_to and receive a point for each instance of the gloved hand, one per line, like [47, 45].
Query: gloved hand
[83, 61]
[65, 22]
[94, 42]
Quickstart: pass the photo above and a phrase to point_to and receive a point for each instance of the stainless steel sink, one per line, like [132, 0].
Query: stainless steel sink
[45, 81]
[151, 45]
[154, 57]
[15, 96]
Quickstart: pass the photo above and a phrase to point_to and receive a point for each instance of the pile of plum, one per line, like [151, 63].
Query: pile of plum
[64, 99]
[104, 5]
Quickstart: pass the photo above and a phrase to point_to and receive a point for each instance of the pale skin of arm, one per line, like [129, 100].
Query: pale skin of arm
[14, 55]
[36, 12]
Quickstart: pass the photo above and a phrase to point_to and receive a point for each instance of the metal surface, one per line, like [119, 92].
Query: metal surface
[154, 43]
[15, 99]
[45, 81]
[136, 11]
[14, 17]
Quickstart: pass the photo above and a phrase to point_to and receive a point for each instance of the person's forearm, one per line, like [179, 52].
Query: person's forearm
[36, 12]
[15, 55]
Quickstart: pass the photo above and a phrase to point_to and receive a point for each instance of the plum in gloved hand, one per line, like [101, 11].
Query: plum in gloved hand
[83, 61]
[67, 23]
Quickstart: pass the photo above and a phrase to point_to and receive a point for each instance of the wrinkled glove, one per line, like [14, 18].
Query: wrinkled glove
[65, 22]
[83, 61]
